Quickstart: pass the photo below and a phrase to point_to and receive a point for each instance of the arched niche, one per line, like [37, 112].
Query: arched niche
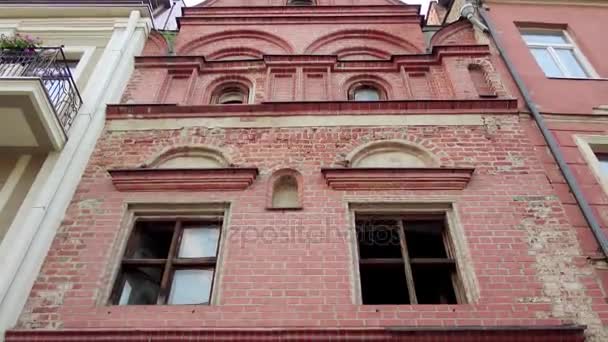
[189, 157]
[249, 40]
[285, 190]
[391, 154]
[376, 40]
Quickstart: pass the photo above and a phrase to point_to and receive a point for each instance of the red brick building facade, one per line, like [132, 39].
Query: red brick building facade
[314, 172]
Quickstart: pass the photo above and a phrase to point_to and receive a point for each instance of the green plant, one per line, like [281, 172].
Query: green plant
[19, 42]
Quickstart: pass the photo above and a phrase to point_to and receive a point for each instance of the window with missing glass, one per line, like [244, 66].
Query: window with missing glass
[169, 261]
[556, 54]
[407, 260]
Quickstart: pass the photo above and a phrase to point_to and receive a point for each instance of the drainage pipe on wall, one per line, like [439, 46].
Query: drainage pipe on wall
[596, 229]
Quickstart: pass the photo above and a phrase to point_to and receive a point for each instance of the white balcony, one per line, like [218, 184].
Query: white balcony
[38, 99]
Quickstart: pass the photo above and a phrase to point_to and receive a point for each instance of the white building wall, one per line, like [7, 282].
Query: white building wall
[111, 45]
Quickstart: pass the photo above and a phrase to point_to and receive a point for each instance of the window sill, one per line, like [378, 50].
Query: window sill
[577, 79]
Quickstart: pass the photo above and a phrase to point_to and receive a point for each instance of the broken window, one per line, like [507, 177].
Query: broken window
[406, 260]
[169, 261]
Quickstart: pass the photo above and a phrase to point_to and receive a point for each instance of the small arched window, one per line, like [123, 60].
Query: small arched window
[300, 2]
[231, 94]
[365, 92]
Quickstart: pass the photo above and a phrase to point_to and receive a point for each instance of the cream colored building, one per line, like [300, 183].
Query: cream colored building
[46, 133]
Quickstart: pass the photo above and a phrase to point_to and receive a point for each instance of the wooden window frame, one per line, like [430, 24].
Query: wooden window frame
[450, 261]
[173, 262]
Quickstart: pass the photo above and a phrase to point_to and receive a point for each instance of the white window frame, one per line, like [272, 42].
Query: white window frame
[570, 45]
[589, 145]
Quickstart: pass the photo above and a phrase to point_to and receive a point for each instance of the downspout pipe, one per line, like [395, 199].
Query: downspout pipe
[596, 229]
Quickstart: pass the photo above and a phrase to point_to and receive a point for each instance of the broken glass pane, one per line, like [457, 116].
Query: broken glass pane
[141, 286]
[150, 240]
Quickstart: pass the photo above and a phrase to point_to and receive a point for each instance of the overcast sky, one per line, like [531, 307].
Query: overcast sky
[425, 3]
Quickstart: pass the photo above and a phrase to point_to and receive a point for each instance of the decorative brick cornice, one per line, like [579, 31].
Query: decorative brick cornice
[411, 60]
[163, 111]
[222, 179]
[567, 333]
[397, 178]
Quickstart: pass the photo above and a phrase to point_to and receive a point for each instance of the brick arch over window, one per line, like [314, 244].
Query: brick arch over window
[285, 190]
[381, 84]
[332, 43]
[220, 82]
[457, 33]
[392, 153]
[188, 157]
[261, 41]
[235, 54]
[362, 53]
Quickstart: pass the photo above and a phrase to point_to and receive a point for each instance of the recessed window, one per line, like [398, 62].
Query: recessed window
[231, 94]
[557, 55]
[603, 161]
[406, 260]
[365, 92]
[300, 2]
[169, 262]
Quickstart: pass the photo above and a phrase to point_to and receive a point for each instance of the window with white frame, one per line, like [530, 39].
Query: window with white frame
[557, 55]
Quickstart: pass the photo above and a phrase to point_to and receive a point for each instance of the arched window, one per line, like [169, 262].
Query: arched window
[365, 92]
[300, 2]
[231, 94]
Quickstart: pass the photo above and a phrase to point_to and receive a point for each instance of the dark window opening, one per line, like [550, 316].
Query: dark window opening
[384, 284]
[169, 262]
[406, 260]
[300, 2]
[233, 94]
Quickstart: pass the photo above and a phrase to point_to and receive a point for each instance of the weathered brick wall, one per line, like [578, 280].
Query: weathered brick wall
[449, 79]
[528, 266]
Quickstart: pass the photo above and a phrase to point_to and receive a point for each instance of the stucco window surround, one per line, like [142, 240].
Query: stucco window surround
[395, 165]
[465, 283]
[557, 54]
[185, 168]
[150, 211]
[590, 146]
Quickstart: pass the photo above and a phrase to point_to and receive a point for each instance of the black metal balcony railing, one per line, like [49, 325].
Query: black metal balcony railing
[50, 66]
